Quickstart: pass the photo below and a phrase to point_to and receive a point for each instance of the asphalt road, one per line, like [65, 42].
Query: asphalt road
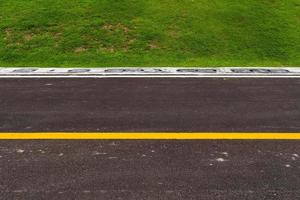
[134, 170]
[150, 170]
[172, 104]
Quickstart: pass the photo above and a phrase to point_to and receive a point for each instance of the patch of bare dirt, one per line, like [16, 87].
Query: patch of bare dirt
[116, 27]
[80, 49]
[153, 45]
[28, 37]
[8, 34]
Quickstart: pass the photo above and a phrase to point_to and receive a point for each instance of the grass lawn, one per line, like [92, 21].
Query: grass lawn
[149, 33]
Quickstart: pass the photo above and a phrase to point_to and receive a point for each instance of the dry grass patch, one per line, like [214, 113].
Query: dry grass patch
[153, 45]
[80, 49]
[28, 37]
[115, 27]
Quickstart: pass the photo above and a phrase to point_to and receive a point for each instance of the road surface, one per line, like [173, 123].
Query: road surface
[139, 169]
[150, 104]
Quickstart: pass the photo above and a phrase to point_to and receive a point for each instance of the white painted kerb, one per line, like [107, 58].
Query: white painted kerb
[228, 72]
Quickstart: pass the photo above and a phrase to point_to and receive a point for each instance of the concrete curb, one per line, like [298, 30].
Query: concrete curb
[6, 72]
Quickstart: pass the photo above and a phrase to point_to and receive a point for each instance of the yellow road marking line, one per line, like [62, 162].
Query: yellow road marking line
[148, 136]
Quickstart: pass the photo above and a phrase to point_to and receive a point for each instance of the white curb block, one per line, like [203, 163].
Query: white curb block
[234, 72]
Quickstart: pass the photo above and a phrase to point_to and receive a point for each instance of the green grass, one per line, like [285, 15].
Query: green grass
[149, 33]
